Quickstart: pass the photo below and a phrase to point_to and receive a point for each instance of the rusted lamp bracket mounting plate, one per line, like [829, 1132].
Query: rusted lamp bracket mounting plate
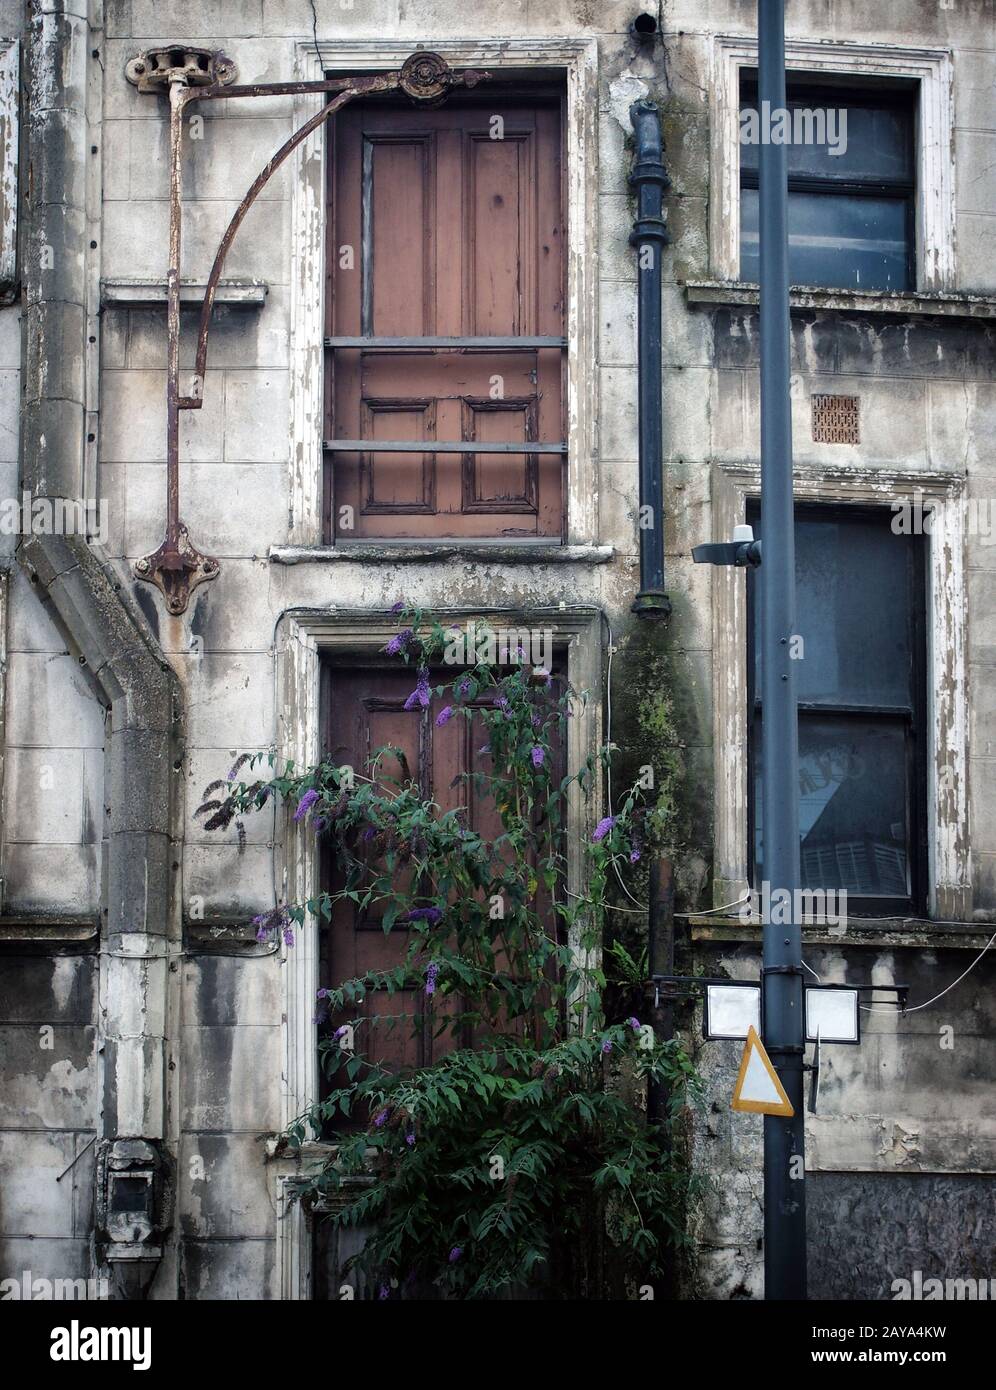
[156, 68]
[187, 75]
[177, 568]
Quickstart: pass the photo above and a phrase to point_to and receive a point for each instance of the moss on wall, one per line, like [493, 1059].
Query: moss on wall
[654, 720]
[654, 717]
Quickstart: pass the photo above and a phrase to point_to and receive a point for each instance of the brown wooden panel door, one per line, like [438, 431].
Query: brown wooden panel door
[440, 230]
[364, 711]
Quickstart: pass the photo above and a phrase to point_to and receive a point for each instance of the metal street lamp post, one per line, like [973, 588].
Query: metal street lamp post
[784, 1031]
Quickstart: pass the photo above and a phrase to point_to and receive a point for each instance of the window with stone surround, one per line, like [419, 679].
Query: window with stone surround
[916, 79]
[851, 183]
[567, 63]
[446, 318]
[861, 614]
[942, 814]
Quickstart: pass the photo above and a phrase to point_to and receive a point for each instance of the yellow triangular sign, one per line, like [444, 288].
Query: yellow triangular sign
[758, 1089]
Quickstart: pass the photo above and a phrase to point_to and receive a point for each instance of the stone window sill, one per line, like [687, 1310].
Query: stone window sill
[45, 931]
[224, 936]
[151, 294]
[859, 931]
[731, 293]
[507, 552]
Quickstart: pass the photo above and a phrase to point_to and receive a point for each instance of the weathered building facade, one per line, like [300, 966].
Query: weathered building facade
[151, 1049]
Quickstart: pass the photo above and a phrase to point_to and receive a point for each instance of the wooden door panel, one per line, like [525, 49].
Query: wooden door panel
[449, 375]
[398, 482]
[440, 229]
[497, 234]
[500, 482]
[364, 712]
[398, 230]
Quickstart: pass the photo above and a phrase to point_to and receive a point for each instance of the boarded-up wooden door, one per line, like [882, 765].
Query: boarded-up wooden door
[446, 224]
[364, 712]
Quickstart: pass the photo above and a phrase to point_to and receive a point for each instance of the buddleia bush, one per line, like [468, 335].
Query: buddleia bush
[484, 1172]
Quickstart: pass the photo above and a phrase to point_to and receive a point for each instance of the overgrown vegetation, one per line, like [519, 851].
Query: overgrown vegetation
[483, 1172]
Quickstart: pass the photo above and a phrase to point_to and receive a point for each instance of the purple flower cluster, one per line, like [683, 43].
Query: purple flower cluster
[239, 762]
[381, 1120]
[602, 828]
[634, 1023]
[607, 1045]
[420, 695]
[455, 1254]
[424, 914]
[305, 804]
[399, 642]
[272, 924]
[444, 716]
[538, 756]
[431, 976]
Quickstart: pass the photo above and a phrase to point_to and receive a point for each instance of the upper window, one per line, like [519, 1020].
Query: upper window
[445, 343]
[851, 184]
[862, 721]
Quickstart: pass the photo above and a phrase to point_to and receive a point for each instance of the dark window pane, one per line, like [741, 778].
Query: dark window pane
[843, 241]
[860, 773]
[853, 800]
[852, 612]
[875, 143]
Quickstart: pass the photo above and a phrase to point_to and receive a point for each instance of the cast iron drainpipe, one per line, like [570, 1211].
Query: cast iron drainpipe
[649, 236]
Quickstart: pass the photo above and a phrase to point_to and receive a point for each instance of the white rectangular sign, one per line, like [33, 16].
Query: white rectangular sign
[832, 1015]
[732, 1010]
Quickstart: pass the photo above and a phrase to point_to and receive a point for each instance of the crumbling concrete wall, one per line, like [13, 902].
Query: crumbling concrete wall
[217, 1031]
[52, 827]
[121, 1089]
[230, 1049]
[914, 1099]
[48, 1035]
[53, 759]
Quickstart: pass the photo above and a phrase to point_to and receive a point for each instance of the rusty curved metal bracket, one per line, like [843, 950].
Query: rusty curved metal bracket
[178, 567]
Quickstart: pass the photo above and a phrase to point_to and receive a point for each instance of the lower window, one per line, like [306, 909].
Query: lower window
[860, 595]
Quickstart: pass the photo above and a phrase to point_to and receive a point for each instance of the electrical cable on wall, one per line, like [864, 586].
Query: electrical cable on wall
[870, 1009]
